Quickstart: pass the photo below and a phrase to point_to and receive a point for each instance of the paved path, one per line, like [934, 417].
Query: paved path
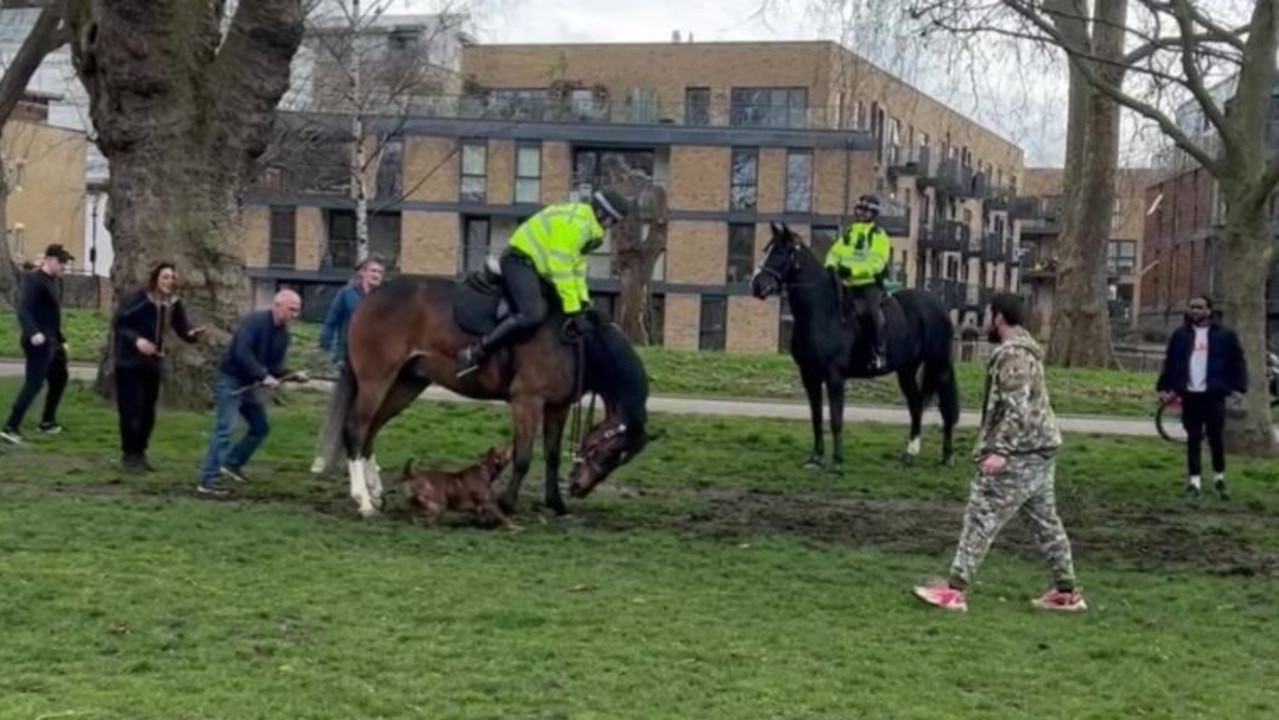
[784, 409]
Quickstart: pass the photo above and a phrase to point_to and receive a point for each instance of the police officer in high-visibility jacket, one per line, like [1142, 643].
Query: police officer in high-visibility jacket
[860, 257]
[552, 245]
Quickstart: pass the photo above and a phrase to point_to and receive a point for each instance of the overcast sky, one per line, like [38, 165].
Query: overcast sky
[1030, 110]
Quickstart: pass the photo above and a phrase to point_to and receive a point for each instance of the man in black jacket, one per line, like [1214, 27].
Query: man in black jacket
[140, 326]
[1204, 364]
[43, 346]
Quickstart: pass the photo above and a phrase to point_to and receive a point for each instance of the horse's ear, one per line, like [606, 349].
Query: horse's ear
[772, 224]
[786, 229]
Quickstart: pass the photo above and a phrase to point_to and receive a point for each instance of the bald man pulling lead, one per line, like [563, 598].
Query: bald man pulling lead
[255, 356]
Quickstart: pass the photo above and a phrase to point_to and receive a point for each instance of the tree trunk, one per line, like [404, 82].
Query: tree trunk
[635, 271]
[638, 243]
[1081, 322]
[10, 274]
[1241, 266]
[181, 112]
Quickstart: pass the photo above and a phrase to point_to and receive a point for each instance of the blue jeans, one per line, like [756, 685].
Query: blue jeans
[226, 404]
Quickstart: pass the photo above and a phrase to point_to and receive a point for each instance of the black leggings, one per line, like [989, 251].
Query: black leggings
[48, 362]
[1202, 413]
[136, 391]
[523, 289]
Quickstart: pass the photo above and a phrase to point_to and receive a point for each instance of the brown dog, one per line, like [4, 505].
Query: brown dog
[469, 490]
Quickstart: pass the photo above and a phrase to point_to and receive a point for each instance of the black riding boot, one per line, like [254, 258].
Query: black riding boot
[472, 356]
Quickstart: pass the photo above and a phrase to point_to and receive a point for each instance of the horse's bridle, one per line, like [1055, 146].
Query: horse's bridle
[584, 451]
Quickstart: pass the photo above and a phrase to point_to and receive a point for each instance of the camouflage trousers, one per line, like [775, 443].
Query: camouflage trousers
[1025, 487]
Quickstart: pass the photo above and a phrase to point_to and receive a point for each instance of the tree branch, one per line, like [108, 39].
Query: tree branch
[251, 70]
[1144, 109]
[46, 35]
[1194, 78]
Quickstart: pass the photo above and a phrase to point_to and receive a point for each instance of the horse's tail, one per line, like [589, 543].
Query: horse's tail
[336, 436]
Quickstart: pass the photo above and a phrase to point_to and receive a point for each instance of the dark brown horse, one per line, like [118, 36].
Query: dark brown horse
[405, 335]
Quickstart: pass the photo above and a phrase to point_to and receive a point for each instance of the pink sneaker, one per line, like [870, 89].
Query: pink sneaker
[942, 596]
[1072, 601]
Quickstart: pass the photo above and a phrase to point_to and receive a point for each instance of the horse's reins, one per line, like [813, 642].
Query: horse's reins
[576, 439]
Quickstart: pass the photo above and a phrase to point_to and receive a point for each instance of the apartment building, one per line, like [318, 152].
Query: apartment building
[44, 166]
[739, 135]
[1185, 214]
[1039, 214]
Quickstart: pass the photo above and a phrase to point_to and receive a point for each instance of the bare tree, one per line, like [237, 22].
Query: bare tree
[46, 35]
[1179, 54]
[182, 97]
[373, 69]
[638, 243]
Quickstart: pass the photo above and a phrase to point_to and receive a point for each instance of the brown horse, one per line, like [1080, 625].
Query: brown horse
[405, 335]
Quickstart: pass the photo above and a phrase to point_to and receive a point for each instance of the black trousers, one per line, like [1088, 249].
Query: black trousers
[46, 363]
[136, 391]
[1204, 414]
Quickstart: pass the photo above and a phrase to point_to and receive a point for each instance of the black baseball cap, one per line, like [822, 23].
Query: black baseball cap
[56, 250]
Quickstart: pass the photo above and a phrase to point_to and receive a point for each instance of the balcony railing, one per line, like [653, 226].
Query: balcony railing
[944, 236]
[649, 111]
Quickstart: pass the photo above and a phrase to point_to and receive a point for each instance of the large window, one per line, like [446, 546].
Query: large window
[744, 183]
[594, 168]
[384, 238]
[769, 107]
[475, 243]
[697, 106]
[713, 329]
[741, 253]
[528, 172]
[1121, 256]
[390, 171]
[340, 249]
[284, 246]
[474, 171]
[799, 181]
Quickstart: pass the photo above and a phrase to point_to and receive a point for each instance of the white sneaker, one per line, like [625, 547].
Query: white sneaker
[317, 467]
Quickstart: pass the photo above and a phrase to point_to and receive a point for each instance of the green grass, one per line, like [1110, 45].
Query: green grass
[711, 578]
[738, 375]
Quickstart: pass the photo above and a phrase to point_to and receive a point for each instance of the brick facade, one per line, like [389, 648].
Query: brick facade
[1175, 248]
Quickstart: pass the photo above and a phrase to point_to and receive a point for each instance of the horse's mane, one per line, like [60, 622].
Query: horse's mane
[614, 371]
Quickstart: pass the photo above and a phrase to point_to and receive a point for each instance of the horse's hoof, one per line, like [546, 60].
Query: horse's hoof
[835, 469]
[557, 506]
[908, 459]
[813, 463]
[948, 461]
[507, 506]
[368, 513]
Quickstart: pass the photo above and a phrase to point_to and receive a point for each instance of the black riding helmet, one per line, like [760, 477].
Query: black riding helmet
[610, 204]
[869, 203]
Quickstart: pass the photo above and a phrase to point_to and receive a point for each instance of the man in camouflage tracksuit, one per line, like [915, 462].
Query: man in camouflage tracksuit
[1016, 462]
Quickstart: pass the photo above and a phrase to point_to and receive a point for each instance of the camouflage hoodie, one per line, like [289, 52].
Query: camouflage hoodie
[1017, 417]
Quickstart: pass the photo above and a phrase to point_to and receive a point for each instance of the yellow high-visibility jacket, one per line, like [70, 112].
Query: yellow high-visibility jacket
[863, 248]
[557, 239]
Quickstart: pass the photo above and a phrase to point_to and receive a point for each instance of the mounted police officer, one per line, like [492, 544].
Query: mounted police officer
[552, 246]
[860, 257]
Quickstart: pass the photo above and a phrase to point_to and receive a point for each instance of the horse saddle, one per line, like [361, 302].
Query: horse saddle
[479, 302]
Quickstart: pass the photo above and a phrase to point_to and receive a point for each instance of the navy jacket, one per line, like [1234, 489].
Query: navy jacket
[333, 334]
[40, 309]
[257, 349]
[1227, 367]
[140, 317]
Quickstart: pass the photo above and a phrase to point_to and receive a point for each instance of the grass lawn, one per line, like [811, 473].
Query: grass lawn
[711, 578]
[740, 375]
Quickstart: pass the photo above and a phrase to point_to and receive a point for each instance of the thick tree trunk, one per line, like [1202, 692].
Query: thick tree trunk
[635, 271]
[190, 225]
[1081, 322]
[181, 112]
[1241, 266]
